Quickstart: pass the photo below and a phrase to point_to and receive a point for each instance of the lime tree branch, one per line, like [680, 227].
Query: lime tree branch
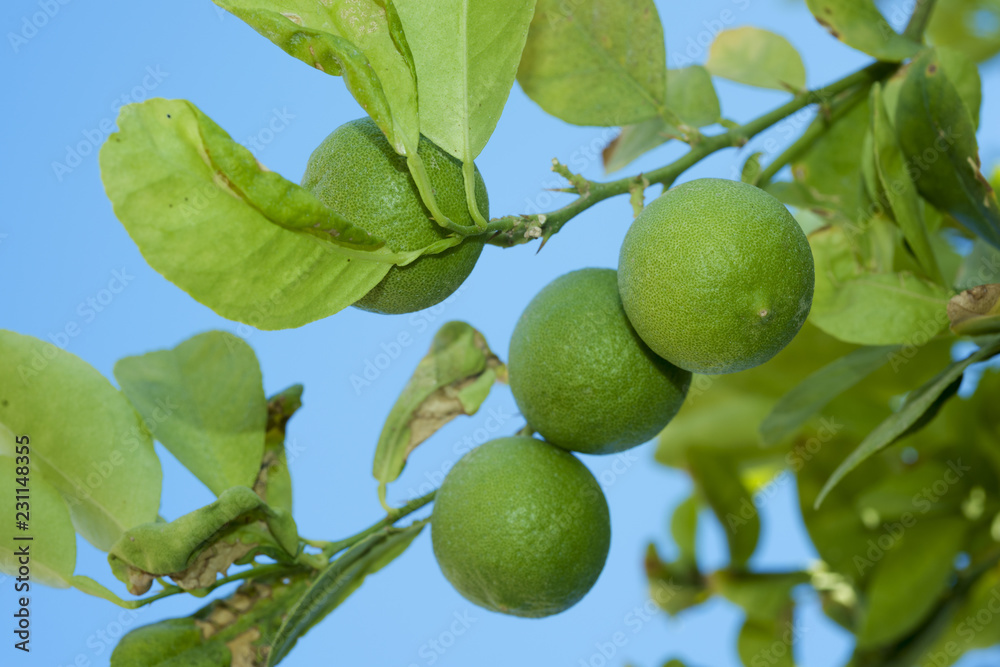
[517, 229]
[332, 548]
[820, 125]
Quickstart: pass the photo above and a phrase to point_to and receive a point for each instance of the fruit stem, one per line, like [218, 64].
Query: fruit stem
[391, 517]
[514, 230]
[426, 190]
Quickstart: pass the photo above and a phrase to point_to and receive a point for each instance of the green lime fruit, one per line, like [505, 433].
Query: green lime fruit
[716, 276]
[521, 527]
[356, 172]
[581, 375]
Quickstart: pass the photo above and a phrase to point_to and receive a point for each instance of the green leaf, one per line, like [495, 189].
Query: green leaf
[86, 439]
[916, 404]
[684, 529]
[691, 100]
[362, 41]
[866, 307]
[976, 311]
[893, 497]
[970, 26]
[691, 96]
[204, 400]
[453, 379]
[979, 267]
[462, 85]
[676, 586]
[763, 596]
[961, 635]
[767, 642]
[194, 548]
[243, 241]
[924, 553]
[898, 187]
[859, 24]
[336, 583]
[756, 57]
[964, 75]
[829, 169]
[232, 630]
[636, 140]
[718, 479]
[812, 394]
[938, 138]
[170, 643]
[50, 538]
[274, 483]
[596, 62]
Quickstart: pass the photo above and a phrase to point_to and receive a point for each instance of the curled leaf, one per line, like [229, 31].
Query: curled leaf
[196, 547]
[216, 224]
[453, 379]
[975, 311]
[334, 584]
[362, 41]
[274, 482]
[234, 631]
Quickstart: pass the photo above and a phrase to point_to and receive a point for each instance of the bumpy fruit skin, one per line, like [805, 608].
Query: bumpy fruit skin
[581, 375]
[356, 172]
[716, 276]
[521, 527]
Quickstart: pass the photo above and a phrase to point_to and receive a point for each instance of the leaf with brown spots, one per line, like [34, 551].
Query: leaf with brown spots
[975, 311]
[860, 25]
[196, 547]
[229, 632]
[453, 379]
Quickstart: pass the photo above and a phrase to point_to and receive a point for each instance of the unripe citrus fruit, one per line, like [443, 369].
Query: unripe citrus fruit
[521, 527]
[716, 276]
[581, 375]
[356, 172]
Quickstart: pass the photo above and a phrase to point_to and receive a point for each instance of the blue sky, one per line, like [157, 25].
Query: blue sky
[60, 248]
